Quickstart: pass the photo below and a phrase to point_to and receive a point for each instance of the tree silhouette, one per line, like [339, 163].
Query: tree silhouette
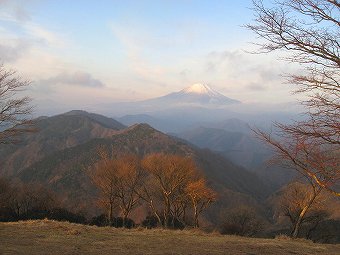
[15, 110]
[307, 31]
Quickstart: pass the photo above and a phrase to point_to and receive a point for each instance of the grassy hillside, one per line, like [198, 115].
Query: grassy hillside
[50, 237]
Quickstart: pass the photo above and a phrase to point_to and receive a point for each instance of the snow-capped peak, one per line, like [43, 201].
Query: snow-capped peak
[200, 88]
[200, 94]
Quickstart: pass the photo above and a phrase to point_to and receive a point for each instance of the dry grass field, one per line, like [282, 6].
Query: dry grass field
[51, 237]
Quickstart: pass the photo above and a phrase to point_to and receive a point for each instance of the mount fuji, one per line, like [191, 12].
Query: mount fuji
[197, 94]
[190, 107]
[178, 110]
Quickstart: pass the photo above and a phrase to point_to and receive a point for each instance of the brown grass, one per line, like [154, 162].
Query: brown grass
[51, 237]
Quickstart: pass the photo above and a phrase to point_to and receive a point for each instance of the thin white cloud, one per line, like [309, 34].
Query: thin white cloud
[10, 52]
[78, 78]
[256, 87]
[43, 35]
[15, 10]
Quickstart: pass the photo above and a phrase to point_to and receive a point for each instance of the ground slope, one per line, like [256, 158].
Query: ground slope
[50, 237]
[54, 134]
[65, 171]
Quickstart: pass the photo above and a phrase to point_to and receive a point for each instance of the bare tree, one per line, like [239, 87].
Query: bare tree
[118, 180]
[201, 197]
[24, 200]
[149, 193]
[129, 181]
[242, 220]
[103, 175]
[302, 204]
[15, 110]
[170, 174]
[308, 32]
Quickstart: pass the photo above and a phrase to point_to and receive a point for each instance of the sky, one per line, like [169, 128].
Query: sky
[84, 52]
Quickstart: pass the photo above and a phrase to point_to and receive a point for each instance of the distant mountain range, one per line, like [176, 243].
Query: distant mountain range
[60, 153]
[192, 106]
[54, 134]
[232, 138]
[197, 94]
[235, 140]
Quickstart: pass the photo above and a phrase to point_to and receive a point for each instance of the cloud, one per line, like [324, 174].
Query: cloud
[21, 14]
[15, 10]
[184, 73]
[154, 56]
[215, 60]
[19, 34]
[10, 53]
[42, 35]
[256, 87]
[78, 78]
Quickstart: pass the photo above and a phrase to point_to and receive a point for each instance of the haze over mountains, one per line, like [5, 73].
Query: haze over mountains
[192, 106]
[60, 154]
[196, 95]
[208, 119]
[187, 108]
[196, 121]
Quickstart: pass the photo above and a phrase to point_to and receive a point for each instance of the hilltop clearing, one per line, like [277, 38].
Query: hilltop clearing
[51, 237]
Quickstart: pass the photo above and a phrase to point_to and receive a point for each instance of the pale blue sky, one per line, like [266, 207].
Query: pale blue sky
[108, 51]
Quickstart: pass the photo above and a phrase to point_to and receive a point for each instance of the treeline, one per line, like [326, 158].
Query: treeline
[172, 193]
[281, 214]
[25, 201]
[171, 187]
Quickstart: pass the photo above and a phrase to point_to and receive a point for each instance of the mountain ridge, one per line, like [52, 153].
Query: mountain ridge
[53, 134]
[63, 168]
[196, 94]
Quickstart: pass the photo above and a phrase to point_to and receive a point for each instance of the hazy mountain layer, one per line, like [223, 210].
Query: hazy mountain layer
[197, 94]
[60, 153]
[235, 140]
[54, 134]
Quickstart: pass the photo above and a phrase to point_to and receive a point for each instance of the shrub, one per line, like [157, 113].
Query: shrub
[243, 221]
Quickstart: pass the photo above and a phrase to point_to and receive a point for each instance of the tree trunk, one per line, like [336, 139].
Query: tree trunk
[155, 212]
[184, 216]
[196, 216]
[111, 213]
[302, 214]
[125, 216]
[166, 212]
[297, 225]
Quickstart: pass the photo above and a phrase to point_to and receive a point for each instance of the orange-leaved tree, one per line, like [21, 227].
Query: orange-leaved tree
[103, 176]
[171, 177]
[201, 197]
[118, 180]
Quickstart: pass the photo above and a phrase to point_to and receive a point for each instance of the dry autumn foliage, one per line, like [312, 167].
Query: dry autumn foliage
[103, 176]
[201, 197]
[303, 205]
[169, 184]
[171, 174]
[118, 180]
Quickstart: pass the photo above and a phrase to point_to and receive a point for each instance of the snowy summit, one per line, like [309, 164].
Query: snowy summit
[200, 88]
[196, 94]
